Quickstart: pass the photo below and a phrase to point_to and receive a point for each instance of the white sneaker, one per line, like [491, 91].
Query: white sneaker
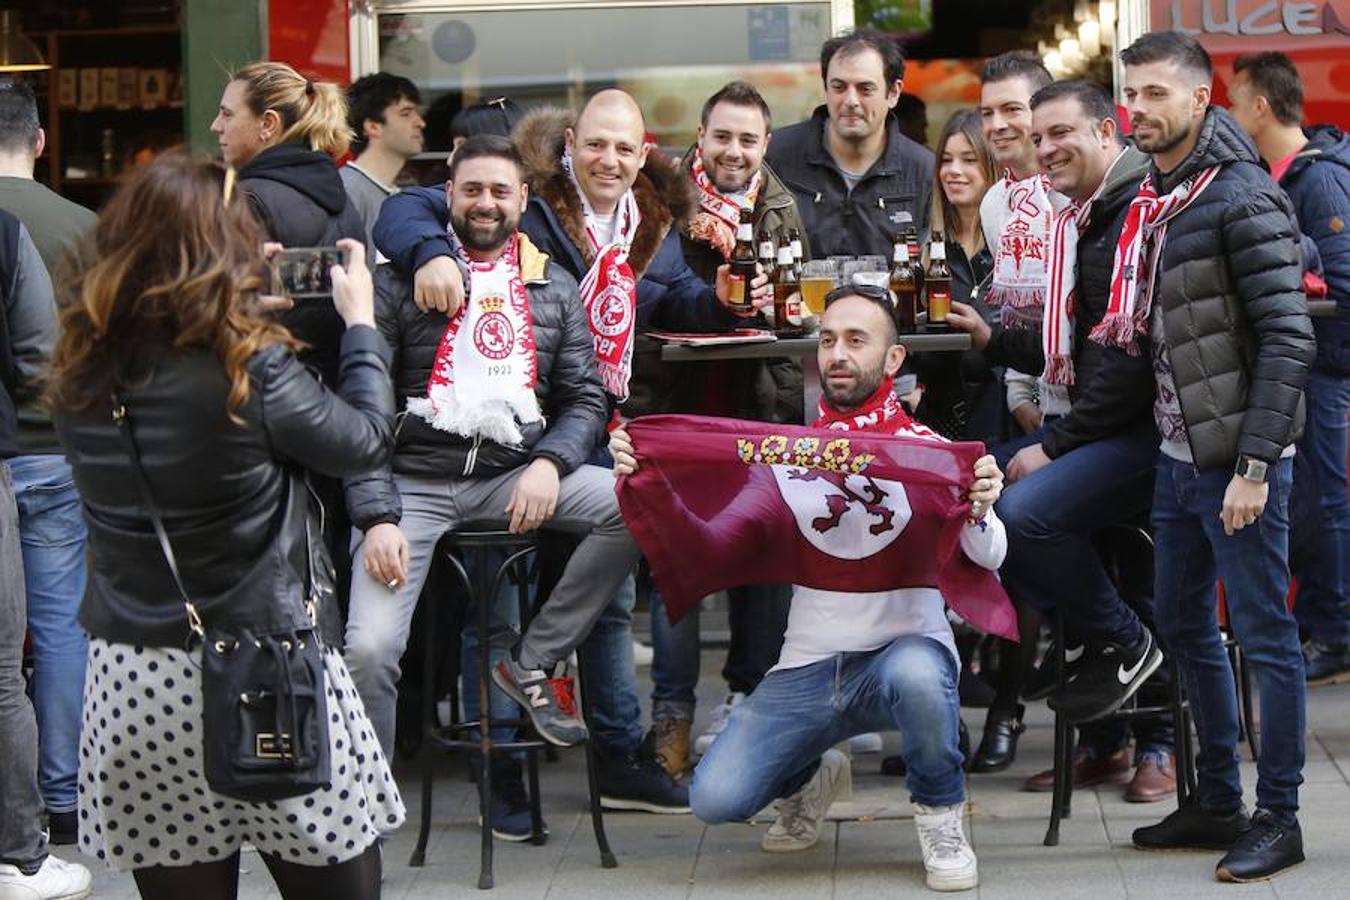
[56, 880]
[869, 742]
[642, 655]
[798, 824]
[947, 855]
[720, 715]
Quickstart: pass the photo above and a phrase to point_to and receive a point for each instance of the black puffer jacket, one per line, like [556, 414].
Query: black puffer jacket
[1113, 390]
[298, 197]
[569, 392]
[221, 486]
[1234, 314]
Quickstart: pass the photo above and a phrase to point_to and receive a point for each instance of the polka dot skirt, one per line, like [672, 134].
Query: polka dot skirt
[144, 800]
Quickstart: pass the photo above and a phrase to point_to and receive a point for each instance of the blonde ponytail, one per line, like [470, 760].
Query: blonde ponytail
[311, 112]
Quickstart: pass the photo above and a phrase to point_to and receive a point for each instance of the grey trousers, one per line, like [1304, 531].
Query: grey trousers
[21, 840]
[379, 619]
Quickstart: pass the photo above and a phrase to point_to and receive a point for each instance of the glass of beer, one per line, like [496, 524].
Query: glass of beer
[818, 277]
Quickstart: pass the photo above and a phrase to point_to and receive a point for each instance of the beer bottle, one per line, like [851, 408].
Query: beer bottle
[938, 284]
[912, 238]
[743, 263]
[905, 286]
[795, 242]
[787, 297]
[768, 253]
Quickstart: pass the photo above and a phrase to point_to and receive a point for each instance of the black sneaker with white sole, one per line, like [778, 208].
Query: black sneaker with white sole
[548, 700]
[1045, 678]
[638, 782]
[1106, 679]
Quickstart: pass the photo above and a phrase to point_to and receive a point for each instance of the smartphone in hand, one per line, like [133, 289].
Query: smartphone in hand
[304, 272]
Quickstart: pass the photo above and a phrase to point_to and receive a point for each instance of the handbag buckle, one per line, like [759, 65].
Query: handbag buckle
[268, 745]
[195, 621]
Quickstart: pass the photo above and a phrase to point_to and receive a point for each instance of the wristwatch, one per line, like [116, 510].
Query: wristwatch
[1252, 469]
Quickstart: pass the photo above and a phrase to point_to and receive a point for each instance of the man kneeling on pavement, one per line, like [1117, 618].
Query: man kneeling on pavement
[853, 663]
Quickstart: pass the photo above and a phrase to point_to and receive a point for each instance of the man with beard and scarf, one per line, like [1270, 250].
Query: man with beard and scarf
[1209, 267]
[504, 406]
[1092, 467]
[852, 663]
[727, 169]
[1313, 167]
[606, 207]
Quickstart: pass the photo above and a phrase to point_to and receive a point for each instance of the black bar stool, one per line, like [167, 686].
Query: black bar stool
[481, 591]
[1062, 799]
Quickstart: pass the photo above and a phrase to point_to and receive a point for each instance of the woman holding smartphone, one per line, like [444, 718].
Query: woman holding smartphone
[165, 316]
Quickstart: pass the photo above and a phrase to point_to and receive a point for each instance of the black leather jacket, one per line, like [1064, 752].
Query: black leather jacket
[222, 486]
[568, 389]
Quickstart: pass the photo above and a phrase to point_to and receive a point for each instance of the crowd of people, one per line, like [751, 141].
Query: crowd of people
[189, 458]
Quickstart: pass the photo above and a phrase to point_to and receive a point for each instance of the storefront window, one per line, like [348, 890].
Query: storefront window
[670, 58]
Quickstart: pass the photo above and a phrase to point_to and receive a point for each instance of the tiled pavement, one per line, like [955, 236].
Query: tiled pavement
[678, 858]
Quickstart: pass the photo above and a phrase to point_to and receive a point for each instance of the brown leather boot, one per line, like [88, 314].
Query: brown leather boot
[1155, 778]
[1087, 771]
[672, 745]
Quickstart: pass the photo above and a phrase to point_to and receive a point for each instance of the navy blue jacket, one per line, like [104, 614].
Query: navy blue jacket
[1318, 184]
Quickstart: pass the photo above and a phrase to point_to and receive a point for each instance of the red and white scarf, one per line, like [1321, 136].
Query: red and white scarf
[882, 412]
[1137, 253]
[1061, 294]
[482, 382]
[609, 289]
[719, 214]
[1020, 272]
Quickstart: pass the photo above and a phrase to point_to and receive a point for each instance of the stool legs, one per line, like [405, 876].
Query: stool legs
[428, 760]
[607, 859]
[537, 836]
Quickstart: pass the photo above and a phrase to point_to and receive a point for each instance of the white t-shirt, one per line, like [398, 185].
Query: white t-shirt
[824, 623]
[603, 226]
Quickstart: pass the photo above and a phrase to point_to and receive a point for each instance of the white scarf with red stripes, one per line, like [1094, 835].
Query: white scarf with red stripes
[1019, 273]
[482, 382]
[1061, 293]
[609, 289]
[1137, 253]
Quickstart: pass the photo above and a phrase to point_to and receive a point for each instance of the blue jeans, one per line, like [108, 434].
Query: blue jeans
[1050, 516]
[52, 534]
[775, 737]
[1321, 501]
[757, 616]
[1191, 553]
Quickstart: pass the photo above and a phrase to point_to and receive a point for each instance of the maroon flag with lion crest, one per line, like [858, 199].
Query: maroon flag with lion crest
[717, 503]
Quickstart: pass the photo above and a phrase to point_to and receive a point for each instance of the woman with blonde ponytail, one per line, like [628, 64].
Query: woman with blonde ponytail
[280, 131]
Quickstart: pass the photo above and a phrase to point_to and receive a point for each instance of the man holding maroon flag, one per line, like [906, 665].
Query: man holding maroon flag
[868, 644]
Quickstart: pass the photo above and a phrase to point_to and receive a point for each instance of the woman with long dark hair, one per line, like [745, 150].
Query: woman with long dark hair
[164, 322]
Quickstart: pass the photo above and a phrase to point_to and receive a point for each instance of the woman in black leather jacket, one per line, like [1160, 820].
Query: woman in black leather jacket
[167, 315]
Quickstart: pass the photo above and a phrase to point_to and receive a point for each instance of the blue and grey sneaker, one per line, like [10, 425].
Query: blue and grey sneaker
[548, 700]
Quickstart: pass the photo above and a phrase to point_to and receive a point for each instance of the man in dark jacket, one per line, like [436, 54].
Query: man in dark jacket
[27, 330]
[570, 213]
[1094, 466]
[512, 447]
[1313, 167]
[1210, 267]
[857, 179]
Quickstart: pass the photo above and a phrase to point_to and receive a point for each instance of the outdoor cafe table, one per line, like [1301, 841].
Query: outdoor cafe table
[805, 349]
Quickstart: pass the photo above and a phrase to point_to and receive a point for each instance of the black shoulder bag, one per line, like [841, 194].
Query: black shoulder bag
[264, 711]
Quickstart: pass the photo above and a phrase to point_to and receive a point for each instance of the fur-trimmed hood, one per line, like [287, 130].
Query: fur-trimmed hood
[665, 197]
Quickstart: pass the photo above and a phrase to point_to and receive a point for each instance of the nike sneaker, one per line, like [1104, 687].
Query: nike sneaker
[1107, 678]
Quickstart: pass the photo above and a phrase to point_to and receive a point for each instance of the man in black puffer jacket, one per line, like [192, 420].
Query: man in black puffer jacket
[503, 406]
[1217, 254]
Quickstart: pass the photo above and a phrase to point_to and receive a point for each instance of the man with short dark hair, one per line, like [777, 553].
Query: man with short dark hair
[727, 170]
[382, 110]
[1209, 267]
[50, 522]
[1094, 466]
[511, 448]
[1313, 167]
[857, 178]
[55, 223]
[853, 663]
